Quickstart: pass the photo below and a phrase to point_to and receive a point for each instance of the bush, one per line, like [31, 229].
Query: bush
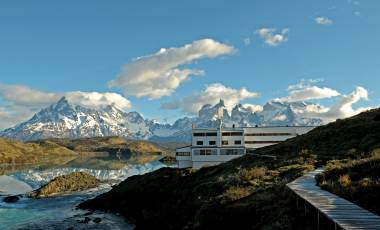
[237, 192]
[365, 182]
[252, 173]
[344, 180]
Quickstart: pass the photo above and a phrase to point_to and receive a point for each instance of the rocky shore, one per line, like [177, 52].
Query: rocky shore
[73, 182]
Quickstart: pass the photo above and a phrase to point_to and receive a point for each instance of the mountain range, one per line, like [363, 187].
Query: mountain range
[67, 120]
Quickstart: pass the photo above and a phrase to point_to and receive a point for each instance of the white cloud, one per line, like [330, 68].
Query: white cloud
[310, 93]
[253, 108]
[211, 95]
[158, 75]
[342, 109]
[21, 102]
[25, 96]
[98, 100]
[323, 21]
[271, 37]
[306, 90]
[247, 41]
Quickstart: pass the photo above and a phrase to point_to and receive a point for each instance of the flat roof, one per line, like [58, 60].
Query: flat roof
[253, 127]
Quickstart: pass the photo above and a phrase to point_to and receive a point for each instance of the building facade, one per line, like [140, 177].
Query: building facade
[217, 145]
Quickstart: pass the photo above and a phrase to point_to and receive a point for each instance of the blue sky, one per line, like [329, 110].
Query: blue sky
[64, 46]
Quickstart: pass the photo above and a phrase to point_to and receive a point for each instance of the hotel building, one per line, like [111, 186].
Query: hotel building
[212, 146]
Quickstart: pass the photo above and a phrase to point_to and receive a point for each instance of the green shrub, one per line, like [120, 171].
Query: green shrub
[237, 192]
[344, 180]
[252, 173]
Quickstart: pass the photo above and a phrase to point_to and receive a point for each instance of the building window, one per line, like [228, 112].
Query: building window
[238, 142]
[211, 134]
[205, 152]
[231, 151]
[224, 142]
[212, 142]
[232, 134]
[183, 154]
[198, 134]
[199, 142]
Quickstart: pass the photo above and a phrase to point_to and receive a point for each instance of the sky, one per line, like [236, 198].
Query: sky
[165, 59]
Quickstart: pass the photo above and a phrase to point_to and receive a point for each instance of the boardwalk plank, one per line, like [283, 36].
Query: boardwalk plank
[344, 213]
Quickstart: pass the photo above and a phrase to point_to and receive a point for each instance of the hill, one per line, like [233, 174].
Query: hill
[112, 145]
[31, 153]
[249, 191]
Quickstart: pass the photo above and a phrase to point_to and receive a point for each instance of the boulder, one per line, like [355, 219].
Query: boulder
[73, 182]
[11, 199]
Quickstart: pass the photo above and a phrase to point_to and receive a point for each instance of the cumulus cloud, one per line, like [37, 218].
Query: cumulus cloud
[344, 107]
[306, 90]
[211, 95]
[310, 93]
[272, 37]
[253, 108]
[158, 75]
[323, 21]
[25, 96]
[341, 109]
[98, 100]
[20, 102]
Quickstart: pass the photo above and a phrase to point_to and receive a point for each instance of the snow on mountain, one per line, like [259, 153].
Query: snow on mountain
[64, 119]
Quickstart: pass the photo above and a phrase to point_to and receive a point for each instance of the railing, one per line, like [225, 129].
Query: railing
[182, 154]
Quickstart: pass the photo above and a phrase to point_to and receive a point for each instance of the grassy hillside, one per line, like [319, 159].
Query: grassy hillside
[21, 153]
[249, 191]
[357, 180]
[112, 145]
[50, 152]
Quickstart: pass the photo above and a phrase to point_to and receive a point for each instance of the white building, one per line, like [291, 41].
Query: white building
[217, 145]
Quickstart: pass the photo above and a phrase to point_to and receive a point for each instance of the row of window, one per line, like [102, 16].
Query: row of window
[183, 154]
[214, 134]
[232, 134]
[270, 134]
[236, 142]
[231, 151]
[205, 152]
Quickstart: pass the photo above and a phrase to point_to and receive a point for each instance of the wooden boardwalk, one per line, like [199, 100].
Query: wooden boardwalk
[343, 213]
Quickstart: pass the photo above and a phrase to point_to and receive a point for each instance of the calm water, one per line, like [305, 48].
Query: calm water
[60, 212]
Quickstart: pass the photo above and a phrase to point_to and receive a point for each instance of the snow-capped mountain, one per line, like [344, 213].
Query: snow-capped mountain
[73, 121]
[64, 119]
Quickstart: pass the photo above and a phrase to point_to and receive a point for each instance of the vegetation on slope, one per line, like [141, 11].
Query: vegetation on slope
[357, 180]
[249, 191]
[21, 153]
[112, 145]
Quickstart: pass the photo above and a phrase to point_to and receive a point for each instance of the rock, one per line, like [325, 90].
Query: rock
[97, 220]
[85, 220]
[88, 213]
[168, 159]
[73, 182]
[11, 199]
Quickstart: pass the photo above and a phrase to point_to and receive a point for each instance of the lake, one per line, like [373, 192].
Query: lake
[60, 212]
